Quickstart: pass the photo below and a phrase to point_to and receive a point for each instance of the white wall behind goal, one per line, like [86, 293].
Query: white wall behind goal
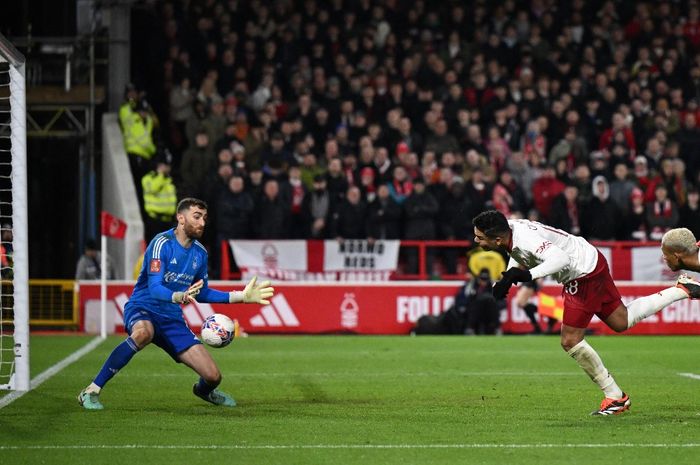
[119, 198]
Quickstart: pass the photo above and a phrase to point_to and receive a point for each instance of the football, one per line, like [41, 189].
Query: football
[219, 330]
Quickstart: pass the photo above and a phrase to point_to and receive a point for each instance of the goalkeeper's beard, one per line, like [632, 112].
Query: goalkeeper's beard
[192, 232]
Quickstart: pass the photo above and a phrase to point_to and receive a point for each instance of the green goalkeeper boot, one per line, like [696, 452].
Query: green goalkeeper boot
[90, 400]
[215, 397]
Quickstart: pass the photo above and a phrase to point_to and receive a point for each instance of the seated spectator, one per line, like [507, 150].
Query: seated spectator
[400, 186]
[602, 219]
[440, 140]
[235, 211]
[383, 165]
[383, 216]
[310, 169]
[181, 99]
[523, 174]
[272, 213]
[566, 213]
[621, 187]
[619, 126]
[501, 200]
[336, 182]
[350, 216]
[545, 189]
[89, 265]
[666, 177]
[635, 224]
[420, 212]
[294, 191]
[689, 215]
[641, 173]
[318, 209]
[197, 162]
[275, 158]
[582, 179]
[533, 144]
[367, 185]
[662, 213]
[454, 221]
[516, 192]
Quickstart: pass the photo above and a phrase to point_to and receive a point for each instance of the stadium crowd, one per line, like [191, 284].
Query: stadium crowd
[404, 119]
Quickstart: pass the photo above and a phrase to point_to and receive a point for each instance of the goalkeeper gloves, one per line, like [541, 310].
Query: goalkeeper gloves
[189, 295]
[252, 293]
[514, 275]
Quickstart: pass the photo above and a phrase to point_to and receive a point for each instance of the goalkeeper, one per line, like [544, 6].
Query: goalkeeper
[174, 272]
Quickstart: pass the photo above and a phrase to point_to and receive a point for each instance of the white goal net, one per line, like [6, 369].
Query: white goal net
[14, 291]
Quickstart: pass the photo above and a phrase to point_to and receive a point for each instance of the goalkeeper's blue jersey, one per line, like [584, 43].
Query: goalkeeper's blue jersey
[169, 267]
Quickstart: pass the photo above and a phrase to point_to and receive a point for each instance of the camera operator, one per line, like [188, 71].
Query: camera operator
[477, 306]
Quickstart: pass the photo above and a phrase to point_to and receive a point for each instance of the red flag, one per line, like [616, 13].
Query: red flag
[113, 226]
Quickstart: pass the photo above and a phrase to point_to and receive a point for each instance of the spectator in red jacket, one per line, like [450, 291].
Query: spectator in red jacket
[618, 125]
[545, 189]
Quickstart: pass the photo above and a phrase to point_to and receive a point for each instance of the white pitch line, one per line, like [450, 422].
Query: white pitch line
[689, 375]
[52, 370]
[357, 374]
[348, 446]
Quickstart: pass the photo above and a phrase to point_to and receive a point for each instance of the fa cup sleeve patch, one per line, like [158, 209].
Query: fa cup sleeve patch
[155, 266]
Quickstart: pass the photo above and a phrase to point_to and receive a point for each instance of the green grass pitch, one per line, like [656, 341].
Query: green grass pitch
[365, 400]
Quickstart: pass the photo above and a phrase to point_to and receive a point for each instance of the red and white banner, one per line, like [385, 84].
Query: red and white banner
[348, 260]
[360, 255]
[368, 308]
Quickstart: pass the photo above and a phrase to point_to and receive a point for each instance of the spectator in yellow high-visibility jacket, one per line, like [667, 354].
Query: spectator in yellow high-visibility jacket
[138, 125]
[159, 197]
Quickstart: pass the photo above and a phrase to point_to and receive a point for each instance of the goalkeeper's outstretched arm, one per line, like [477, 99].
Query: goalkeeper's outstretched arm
[253, 293]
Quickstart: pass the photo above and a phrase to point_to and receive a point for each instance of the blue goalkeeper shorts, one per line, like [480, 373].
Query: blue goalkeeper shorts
[170, 334]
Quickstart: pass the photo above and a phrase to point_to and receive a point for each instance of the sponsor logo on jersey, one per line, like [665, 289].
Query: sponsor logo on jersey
[544, 246]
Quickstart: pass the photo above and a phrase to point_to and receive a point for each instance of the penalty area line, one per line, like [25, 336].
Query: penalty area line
[345, 446]
[689, 375]
[51, 371]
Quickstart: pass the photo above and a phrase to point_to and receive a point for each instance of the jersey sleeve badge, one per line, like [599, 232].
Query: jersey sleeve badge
[155, 266]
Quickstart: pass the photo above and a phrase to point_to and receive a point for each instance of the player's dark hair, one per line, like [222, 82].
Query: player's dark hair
[492, 223]
[189, 202]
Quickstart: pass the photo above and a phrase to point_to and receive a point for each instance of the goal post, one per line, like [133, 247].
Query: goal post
[13, 213]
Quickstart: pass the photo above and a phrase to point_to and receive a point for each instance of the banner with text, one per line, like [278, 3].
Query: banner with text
[387, 308]
[331, 260]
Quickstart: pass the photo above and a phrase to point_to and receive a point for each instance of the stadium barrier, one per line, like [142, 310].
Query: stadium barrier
[628, 260]
[52, 302]
[228, 269]
[367, 308]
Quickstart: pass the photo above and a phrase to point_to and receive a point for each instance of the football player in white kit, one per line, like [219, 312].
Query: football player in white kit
[537, 250]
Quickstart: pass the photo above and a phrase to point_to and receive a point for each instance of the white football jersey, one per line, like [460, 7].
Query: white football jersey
[535, 243]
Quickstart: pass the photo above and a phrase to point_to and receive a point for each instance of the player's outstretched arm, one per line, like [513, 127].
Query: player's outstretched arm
[253, 293]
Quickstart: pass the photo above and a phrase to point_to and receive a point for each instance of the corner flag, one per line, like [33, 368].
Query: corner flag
[112, 226]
